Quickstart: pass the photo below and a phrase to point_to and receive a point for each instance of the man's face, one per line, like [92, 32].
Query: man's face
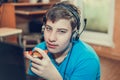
[57, 35]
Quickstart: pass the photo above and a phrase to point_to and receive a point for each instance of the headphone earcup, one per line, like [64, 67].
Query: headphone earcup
[42, 33]
[75, 36]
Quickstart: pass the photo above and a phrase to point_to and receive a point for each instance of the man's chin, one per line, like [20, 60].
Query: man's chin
[53, 51]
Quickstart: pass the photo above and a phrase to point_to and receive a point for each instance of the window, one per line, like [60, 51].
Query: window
[100, 21]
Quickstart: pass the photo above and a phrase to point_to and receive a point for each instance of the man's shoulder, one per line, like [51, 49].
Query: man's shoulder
[84, 50]
[82, 46]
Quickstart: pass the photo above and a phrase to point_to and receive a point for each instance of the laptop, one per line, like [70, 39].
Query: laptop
[12, 63]
[12, 66]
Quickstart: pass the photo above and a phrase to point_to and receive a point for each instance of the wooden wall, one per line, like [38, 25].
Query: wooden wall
[28, 0]
[0, 14]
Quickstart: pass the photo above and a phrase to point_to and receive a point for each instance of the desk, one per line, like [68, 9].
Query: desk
[20, 13]
[4, 32]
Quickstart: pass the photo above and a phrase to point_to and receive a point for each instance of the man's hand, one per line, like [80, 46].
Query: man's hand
[43, 67]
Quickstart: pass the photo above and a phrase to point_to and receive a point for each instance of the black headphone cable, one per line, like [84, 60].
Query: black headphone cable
[68, 61]
[85, 23]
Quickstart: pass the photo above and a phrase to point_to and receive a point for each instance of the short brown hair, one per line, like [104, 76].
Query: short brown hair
[61, 11]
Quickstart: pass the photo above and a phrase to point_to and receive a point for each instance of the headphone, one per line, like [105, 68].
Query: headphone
[75, 34]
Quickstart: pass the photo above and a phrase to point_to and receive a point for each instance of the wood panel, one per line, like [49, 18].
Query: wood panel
[28, 0]
[0, 15]
[8, 20]
[110, 69]
[8, 16]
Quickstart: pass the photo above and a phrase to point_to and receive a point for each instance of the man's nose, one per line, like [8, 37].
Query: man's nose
[52, 36]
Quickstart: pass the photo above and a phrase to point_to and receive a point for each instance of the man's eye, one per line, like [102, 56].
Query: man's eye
[48, 28]
[62, 31]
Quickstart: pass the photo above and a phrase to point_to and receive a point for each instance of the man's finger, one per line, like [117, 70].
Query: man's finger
[42, 52]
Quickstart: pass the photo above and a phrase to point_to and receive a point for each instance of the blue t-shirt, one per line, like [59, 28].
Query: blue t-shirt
[81, 63]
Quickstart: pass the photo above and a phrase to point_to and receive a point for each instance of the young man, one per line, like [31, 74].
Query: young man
[68, 57]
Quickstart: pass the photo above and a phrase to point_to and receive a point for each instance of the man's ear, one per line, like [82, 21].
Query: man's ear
[43, 28]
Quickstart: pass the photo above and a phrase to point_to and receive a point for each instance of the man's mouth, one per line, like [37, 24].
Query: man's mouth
[50, 45]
